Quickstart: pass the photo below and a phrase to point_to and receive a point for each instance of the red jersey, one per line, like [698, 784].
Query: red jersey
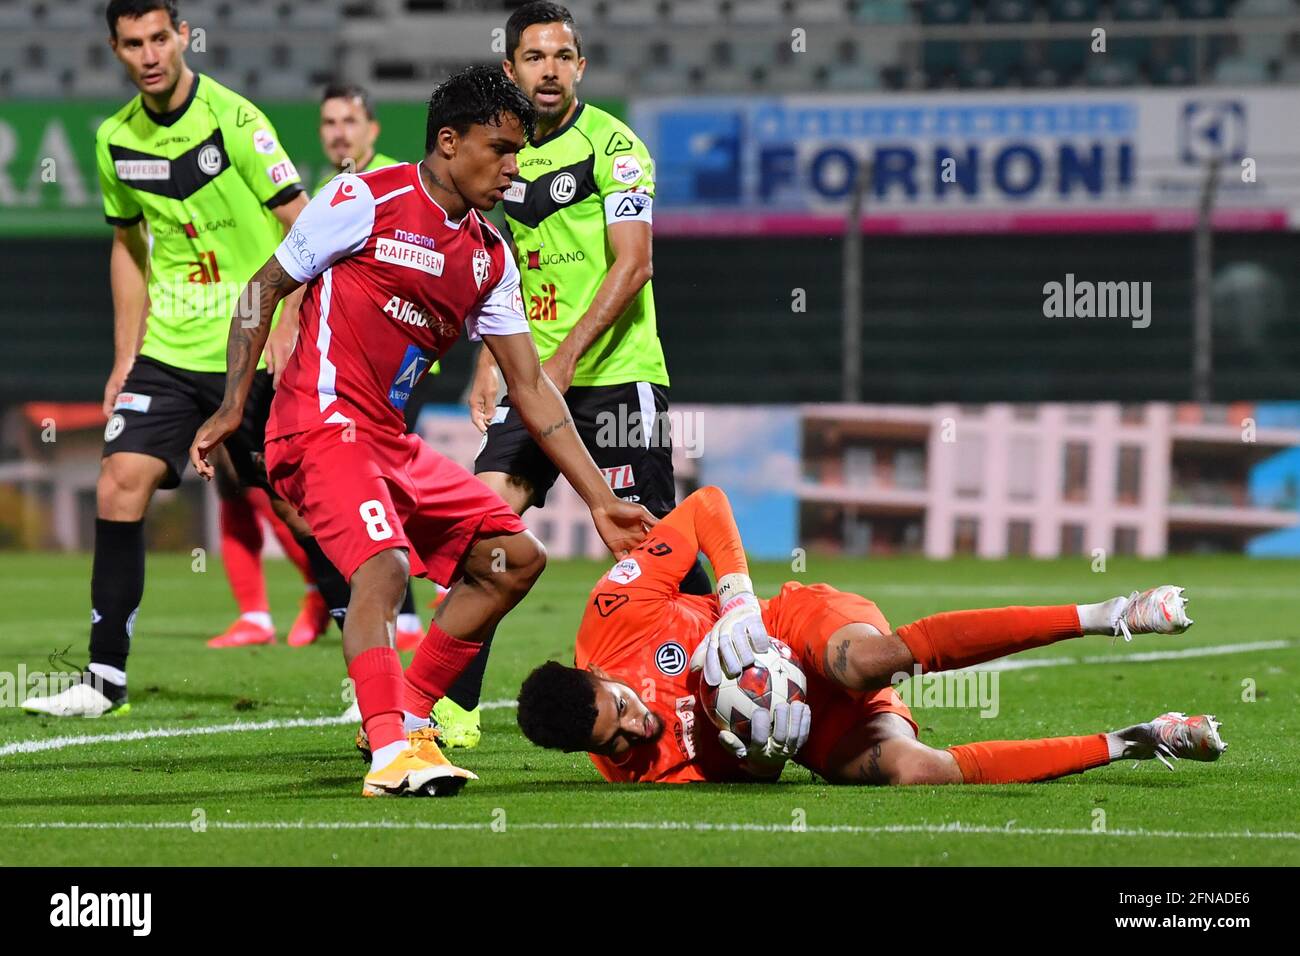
[391, 282]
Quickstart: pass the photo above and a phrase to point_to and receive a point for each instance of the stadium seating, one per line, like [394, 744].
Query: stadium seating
[399, 47]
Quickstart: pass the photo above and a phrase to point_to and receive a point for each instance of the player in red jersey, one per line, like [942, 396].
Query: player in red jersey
[396, 263]
[632, 700]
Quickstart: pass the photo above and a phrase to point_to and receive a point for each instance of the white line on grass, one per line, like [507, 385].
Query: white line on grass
[156, 733]
[60, 743]
[662, 826]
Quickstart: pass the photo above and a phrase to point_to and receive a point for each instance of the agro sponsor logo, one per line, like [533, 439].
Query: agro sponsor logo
[130, 910]
[403, 236]
[143, 169]
[168, 140]
[264, 142]
[659, 549]
[404, 311]
[133, 401]
[282, 171]
[625, 572]
[114, 427]
[409, 256]
[482, 266]
[627, 169]
[563, 187]
[618, 143]
[210, 160]
[516, 192]
[536, 161]
[670, 657]
[619, 477]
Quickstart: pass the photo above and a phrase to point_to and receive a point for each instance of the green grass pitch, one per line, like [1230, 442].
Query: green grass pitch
[291, 795]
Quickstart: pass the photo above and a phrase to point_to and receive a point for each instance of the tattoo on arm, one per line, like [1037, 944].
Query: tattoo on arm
[839, 665]
[869, 770]
[252, 324]
[549, 429]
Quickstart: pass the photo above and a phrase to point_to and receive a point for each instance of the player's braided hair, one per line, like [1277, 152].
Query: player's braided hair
[557, 707]
[477, 96]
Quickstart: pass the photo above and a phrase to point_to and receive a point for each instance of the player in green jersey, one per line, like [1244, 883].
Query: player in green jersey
[348, 132]
[199, 192]
[579, 214]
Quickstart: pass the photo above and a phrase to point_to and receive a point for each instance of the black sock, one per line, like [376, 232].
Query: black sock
[116, 586]
[329, 581]
[696, 580]
[468, 687]
[408, 602]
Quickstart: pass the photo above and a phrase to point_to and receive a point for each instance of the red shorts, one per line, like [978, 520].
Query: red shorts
[386, 491]
[805, 618]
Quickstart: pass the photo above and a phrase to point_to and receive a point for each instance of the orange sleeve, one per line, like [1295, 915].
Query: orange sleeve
[705, 521]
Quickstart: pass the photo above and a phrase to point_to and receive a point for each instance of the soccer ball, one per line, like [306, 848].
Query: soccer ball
[774, 678]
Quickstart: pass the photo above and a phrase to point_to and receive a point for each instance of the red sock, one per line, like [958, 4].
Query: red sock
[241, 553]
[377, 676]
[437, 663]
[1025, 761]
[944, 642]
[261, 502]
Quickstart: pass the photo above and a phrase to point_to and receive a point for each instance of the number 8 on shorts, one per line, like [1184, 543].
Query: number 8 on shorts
[377, 526]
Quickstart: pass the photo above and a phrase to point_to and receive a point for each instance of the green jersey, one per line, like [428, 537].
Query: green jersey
[590, 173]
[204, 178]
[377, 161]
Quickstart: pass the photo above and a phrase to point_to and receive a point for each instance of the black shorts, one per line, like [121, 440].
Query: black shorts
[161, 407]
[637, 462]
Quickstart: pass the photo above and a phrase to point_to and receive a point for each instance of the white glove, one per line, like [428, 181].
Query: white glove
[776, 736]
[731, 644]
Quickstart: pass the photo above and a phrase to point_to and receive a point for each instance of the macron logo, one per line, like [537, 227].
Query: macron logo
[74, 909]
[346, 191]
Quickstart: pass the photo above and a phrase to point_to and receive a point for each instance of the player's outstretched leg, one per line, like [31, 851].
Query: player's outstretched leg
[499, 571]
[400, 766]
[127, 481]
[859, 657]
[885, 752]
[241, 556]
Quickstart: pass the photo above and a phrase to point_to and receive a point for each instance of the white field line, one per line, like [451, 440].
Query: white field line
[60, 743]
[1013, 591]
[157, 733]
[659, 826]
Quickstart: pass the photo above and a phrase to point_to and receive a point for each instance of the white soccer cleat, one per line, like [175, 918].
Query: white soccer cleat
[79, 700]
[1159, 610]
[1180, 737]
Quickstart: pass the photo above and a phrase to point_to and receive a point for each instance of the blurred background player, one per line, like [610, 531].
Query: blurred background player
[199, 192]
[381, 501]
[579, 215]
[348, 133]
[639, 631]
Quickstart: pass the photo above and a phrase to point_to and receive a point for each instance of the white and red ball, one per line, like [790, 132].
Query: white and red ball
[774, 678]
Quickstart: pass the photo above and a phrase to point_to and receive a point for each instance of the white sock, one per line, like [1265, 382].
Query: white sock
[110, 674]
[260, 618]
[411, 722]
[382, 757]
[409, 622]
[1099, 618]
[1116, 745]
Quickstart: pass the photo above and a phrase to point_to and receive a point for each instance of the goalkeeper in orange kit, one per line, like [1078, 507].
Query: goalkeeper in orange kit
[632, 701]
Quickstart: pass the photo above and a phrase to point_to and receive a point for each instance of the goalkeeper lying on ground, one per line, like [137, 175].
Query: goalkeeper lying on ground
[643, 647]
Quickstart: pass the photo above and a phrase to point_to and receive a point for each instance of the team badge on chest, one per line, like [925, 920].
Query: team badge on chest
[482, 266]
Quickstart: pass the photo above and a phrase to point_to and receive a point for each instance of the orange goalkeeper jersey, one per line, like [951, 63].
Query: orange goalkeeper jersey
[642, 630]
